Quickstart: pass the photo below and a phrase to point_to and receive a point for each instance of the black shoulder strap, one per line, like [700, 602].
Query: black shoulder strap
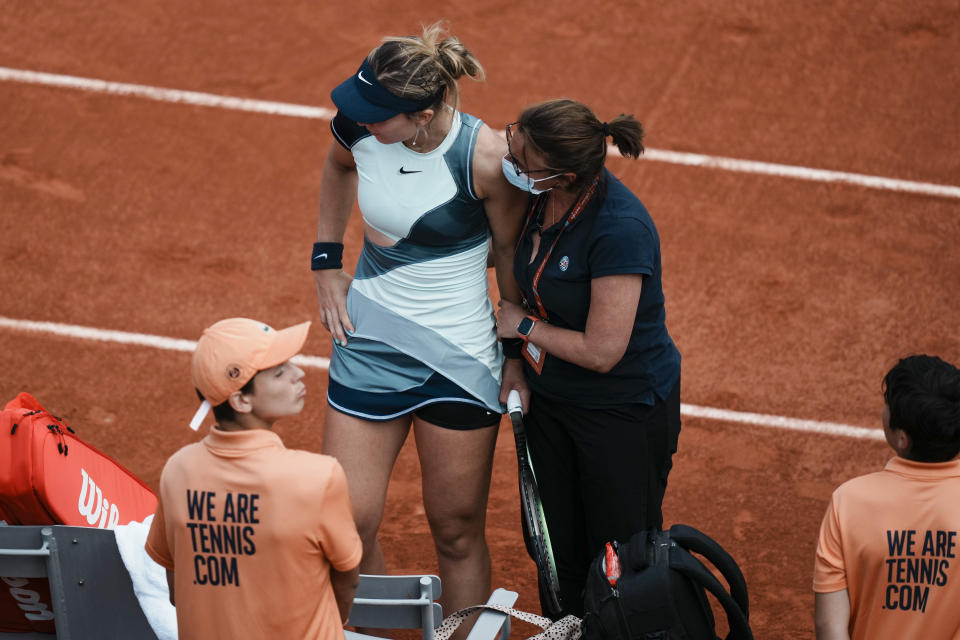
[682, 562]
[699, 542]
[734, 602]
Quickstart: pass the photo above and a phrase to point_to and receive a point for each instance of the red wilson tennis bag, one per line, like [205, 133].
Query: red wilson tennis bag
[49, 476]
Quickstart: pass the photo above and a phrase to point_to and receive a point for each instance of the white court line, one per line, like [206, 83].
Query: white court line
[124, 337]
[801, 173]
[781, 422]
[317, 362]
[166, 95]
[320, 113]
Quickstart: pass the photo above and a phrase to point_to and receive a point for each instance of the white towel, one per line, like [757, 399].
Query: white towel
[149, 578]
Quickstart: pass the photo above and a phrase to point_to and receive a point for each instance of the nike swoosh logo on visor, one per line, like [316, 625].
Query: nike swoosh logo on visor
[362, 79]
[405, 172]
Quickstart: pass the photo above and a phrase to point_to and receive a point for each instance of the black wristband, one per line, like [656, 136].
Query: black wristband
[512, 347]
[326, 255]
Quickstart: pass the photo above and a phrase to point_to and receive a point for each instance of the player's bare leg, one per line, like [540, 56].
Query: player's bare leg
[367, 452]
[456, 468]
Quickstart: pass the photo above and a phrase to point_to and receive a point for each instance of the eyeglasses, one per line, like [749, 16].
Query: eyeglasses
[513, 159]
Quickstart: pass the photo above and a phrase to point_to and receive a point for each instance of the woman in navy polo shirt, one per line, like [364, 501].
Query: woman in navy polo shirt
[603, 403]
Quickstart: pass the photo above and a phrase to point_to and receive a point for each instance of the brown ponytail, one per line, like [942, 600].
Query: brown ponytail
[627, 134]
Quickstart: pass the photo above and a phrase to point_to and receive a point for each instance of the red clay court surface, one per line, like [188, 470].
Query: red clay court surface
[786, 297]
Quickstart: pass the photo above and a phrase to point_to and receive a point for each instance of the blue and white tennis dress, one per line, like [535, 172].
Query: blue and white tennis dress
[424, 324]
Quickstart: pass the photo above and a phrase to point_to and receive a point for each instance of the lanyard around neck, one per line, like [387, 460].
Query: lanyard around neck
[573, 215]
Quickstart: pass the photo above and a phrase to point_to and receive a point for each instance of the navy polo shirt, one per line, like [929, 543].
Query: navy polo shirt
[613, 235]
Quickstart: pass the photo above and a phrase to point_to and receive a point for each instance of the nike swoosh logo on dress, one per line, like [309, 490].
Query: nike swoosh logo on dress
[405, 172]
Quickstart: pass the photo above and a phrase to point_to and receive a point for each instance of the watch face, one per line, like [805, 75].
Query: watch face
[525, 326]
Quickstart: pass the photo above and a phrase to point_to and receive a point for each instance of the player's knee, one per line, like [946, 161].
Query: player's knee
[459, 548]
[458, 536]
[367, 526]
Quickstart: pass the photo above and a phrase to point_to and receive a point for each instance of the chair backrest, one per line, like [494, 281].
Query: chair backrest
[397, 602]
[92, 594]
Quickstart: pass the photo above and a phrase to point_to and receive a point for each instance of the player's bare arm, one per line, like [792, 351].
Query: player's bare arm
[337, 192]
[613, 307]
[505, 207]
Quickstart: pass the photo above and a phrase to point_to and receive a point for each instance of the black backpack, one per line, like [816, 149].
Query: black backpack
[660, 594]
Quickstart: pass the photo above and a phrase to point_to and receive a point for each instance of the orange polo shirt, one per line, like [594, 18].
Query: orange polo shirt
[251, 530]
[892, 539]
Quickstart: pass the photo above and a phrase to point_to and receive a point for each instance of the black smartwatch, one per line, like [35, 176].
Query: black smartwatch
[525, 327]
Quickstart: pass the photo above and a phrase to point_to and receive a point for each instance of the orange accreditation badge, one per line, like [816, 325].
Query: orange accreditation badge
[534, 356]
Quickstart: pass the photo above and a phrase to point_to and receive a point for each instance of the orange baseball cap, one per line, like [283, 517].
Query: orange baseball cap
[232, 351]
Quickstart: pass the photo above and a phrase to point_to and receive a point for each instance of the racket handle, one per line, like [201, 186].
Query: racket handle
[514, 406]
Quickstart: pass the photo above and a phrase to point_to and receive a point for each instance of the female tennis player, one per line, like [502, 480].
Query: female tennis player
[603, 373]
[414, 330]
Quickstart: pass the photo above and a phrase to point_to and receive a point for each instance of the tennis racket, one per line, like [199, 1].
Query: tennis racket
[535, 533]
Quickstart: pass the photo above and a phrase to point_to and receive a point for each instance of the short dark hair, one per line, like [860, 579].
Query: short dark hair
[922, 393]
[223, 412]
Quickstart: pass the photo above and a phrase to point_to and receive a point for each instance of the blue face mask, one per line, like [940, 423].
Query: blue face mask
[522, 180]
